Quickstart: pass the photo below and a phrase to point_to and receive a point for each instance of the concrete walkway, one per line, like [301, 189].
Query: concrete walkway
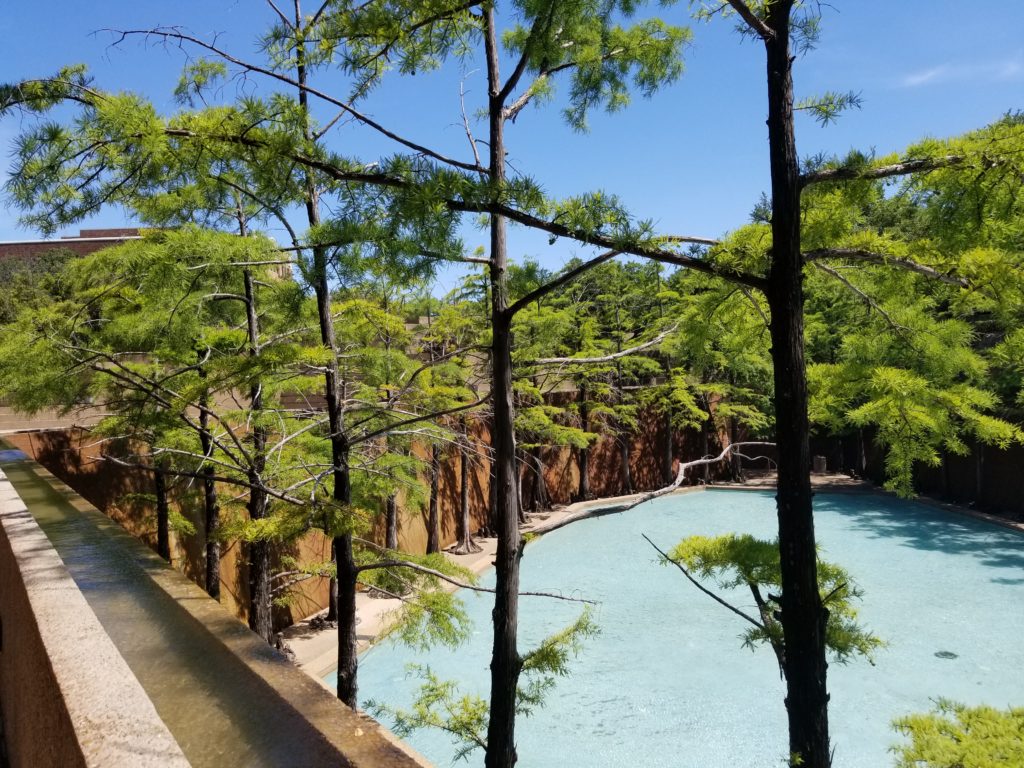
[228, 698]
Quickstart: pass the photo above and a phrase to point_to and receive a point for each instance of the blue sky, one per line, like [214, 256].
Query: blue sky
[693, 158]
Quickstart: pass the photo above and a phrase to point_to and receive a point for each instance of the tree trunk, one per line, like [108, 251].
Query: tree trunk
[736, 463]
[666, 466]
[583, 454]
[211, 508]
[332, 590]
[583, 462]
[163, 513]
[339, 442]
[803, 615]
[433, 523]
[492, 495]
[391, 522]
[705, 441]
[343, 588]
[541, 500]
[465, 545]
[260, 618]
[520, 506]
[506, 663]
[625, 440]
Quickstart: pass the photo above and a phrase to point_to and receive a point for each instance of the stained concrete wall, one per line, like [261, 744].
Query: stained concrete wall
[76, 458]
[67, 697]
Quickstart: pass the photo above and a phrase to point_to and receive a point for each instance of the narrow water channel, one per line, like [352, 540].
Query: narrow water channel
[221, 713]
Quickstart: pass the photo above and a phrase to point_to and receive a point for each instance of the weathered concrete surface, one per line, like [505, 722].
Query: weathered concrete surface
[67, 696]
[228, 698]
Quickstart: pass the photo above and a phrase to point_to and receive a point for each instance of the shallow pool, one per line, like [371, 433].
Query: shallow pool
[666, 683]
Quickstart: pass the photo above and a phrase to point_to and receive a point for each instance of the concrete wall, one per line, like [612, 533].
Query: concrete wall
[74, 457]
[67, 697]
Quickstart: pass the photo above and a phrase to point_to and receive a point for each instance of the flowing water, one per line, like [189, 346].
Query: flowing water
[220, 713]
[667, 683]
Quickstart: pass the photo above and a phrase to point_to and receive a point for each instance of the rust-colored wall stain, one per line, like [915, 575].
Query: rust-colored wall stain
[76, 458]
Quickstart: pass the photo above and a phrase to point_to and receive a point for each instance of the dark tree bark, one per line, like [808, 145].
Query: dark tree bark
[260, 618]
[520, 505]
[736, 463]
[391, 522]
[211, 508]
[625, 441]
[343, 590]
[705, 450]
[540, 499]
[465, 544]
[668, 450]
[803, 615]
[342, 605]
[583, 454]
[492, 495]
[163, 514]
[506, 663]
[433, 521]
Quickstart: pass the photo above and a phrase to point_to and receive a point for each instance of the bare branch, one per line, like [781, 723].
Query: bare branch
[606, 358]
[558, 282]
[652, 251]
[702, 588]
[859, 254]
[203, 475]
[872, 304]
[415, 419]
[461, 584]
[904, 168]
[757, 26]
[284, 19]
[465, 123]
[681, 474]
[181, 37]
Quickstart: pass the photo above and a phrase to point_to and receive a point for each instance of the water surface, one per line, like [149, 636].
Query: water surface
[667, 682]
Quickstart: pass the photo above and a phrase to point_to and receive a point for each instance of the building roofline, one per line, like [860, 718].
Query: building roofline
[66, 240]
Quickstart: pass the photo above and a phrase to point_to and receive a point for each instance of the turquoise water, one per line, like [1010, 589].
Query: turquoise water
[666, 683]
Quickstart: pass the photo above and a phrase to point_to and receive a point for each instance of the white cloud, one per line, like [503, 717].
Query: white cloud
[925, 76]
[1008, 68]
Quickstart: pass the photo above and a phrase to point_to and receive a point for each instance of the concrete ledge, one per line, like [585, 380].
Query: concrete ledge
[68, 697]
[350, 738]
[581, 510]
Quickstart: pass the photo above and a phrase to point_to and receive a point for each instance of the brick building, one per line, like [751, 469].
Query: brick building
[24, 251]
[85, 242]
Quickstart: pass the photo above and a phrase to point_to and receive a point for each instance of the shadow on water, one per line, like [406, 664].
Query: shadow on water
[912, 524]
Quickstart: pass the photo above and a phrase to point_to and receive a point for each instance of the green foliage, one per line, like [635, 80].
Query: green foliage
[827, 107]
[31, 281]
[738, 560]
[550, 660]
[439, 703]
[954, 735]
[431, 617]
[431, 613]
